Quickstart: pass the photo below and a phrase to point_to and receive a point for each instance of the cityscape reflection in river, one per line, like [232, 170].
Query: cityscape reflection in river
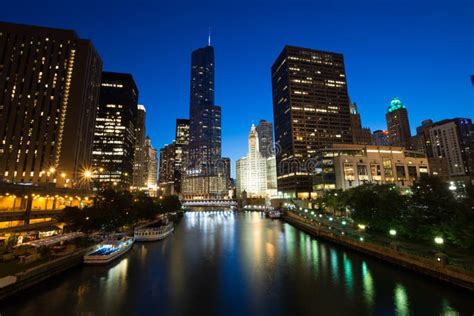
[230, 263]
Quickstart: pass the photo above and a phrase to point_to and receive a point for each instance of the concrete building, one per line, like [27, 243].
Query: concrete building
[398, 125]
[256, 174]
[343, 166]
[114, 137]
[310, 110]
[50, 81]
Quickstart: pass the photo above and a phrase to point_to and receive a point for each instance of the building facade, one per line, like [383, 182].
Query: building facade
[453, 140]
[311, 111]
[345, 166]
[151, 162]
[256, 174]
[380, 138]
[398, 125]
[204, 178]
[167, 169]
[265, 138]
[50, 81]
[114, 139]
[181, 152]
[360, 135]
[140, 166]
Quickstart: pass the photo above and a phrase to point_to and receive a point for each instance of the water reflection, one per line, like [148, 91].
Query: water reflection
[224, 263]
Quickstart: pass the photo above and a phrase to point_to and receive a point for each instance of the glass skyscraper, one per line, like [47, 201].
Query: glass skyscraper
[205, 177]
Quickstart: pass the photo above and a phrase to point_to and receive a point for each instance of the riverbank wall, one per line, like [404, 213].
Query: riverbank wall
[21, 281]
[432, 268]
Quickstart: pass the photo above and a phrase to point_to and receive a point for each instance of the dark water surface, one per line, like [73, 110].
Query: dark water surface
[225, 263]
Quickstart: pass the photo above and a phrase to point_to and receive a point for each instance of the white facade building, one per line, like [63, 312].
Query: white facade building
[256, 175]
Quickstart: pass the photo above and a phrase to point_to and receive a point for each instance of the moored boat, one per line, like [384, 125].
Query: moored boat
[274, 214]
[150, 233]
[109, 250]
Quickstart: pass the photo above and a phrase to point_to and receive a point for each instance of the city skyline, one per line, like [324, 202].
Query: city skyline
[375, 74]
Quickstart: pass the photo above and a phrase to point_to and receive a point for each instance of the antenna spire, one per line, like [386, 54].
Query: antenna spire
[209, 37]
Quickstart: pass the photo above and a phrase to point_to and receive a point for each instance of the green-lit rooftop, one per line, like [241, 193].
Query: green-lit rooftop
[395, 104]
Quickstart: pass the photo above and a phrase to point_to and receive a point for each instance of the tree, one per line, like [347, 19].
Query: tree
[380, 207]
[170, 203]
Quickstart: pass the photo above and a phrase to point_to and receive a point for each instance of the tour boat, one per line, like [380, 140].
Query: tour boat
[109, 250]
[274, 214]
[149, 233]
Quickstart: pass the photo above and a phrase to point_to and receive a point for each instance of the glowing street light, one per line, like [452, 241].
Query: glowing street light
[392, 232]
[52, 170]
[87, 174]
[439, 240]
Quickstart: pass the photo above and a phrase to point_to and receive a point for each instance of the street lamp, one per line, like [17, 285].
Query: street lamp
[439, 240]
[392, 232]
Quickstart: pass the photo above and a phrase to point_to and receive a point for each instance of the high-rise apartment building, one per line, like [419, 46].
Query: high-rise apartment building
[360, 135]
[311, 111]
[453, 140]
[114, 139]
[204, 178]
[140, 166]
[49, 89]
[398, 125]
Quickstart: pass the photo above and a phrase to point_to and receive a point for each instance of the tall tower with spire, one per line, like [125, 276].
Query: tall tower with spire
[205, 177]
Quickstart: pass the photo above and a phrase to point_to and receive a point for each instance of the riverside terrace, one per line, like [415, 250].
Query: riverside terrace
[33, 207]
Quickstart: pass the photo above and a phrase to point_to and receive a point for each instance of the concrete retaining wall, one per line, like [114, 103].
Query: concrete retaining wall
[425, 266]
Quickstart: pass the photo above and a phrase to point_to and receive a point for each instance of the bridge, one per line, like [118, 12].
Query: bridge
[209, 203]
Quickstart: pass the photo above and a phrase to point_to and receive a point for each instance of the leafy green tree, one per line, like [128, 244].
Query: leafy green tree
[170, 203]
[380, 207]
[334, 201]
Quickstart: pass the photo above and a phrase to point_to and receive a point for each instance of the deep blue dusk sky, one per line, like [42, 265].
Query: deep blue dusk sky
[420, 51]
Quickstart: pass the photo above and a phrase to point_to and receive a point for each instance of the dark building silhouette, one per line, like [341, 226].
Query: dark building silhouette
[360, 135]
[50, 82]
[380, 138]
[265, 138]
[114, 140]
[311, 111]
[398, 125]
[203, 179]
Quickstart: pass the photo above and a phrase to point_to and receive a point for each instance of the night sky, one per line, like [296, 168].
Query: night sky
[422, 52]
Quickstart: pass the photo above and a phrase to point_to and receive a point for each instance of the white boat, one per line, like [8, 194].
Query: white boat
[274, 214]
[109, 250]
[153, 233]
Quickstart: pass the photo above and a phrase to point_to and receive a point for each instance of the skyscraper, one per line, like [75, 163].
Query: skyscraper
[152, 167]
[167, 169]
[181, 152]
[114, 140]
[50, 81]
[256, 174]
[360, 135]
[453, 139]
[265, 138]
[310, 109]
[398, 125]
[380, 138]
[140, 166]
[203, 178]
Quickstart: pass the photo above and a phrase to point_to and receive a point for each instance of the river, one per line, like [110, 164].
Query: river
[225, 263]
